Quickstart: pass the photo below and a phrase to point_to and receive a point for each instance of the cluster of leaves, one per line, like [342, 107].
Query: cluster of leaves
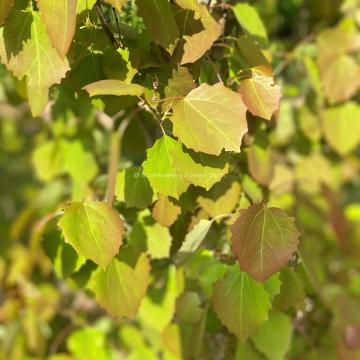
[160, 160]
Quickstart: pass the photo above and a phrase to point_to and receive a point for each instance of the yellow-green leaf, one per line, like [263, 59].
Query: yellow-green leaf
[113, 87]
[120, 288]
[250, 21]
[93, 229]
[59, 17]
[341, 127]
[171, 170]
[210, 119]
[198, 30]
[260, 94]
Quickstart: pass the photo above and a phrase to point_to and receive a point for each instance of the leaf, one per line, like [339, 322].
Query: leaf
[83, 5]
[5, 8]
[159, 21]
[340, 78]
[261, 160]
[59, 17]
[241, 303]
[260, 94]
[113, 87]
[158, 307]
[292, 294]
[250, 21]
[35, 59]
[198, 30]
[117, 4]
[274, 337]
[158, 241]
[194, 238]
[222, 197]
[120, 288]
[93, 229]
[209, 119]
[247, 351]
[165, 210]
[133, 188]
[188, 308]
[170, 170]
[263, 240]
[341, 127]
[180, 84]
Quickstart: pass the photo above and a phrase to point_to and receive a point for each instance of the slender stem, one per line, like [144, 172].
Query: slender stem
[104, 24]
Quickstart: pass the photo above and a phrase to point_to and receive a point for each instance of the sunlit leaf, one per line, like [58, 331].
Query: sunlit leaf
[241, 303]
[260, 94]
[113, 87]
[250, 21]
[35, 59]
[59, 17]
[210, 119]
[263, 240]
[165, 210]
[198, 30]
[170, 170]
[120, 288]
[93, 229]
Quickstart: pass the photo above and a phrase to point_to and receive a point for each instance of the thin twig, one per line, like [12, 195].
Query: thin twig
[104, 24]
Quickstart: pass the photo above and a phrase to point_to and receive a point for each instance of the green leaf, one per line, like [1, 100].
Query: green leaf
[198, 30]
[292, 294]
[274, 337]
[120, 288]
[165, 210]
[241, 303]
[250, 21]
[133, 188]
[263, 240]
[341, 127]
[247, 351]
[59, 17]
[93, 229]
[260, 94]
[170, 170]
[113, 87]
[35, 58]
[160, 22]
[5, 8]
[210, 119]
